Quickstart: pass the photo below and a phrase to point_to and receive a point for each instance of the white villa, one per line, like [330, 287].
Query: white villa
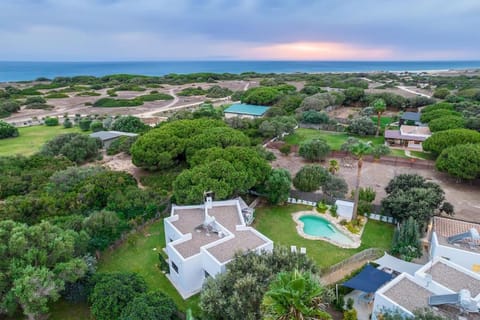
[407, 136]
[202, 240]
[457, 241]
[446, 288]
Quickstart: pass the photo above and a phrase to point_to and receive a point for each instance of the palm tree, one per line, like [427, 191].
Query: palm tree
[295, 295]
[379, 106]
[358, 149]
[333, 166]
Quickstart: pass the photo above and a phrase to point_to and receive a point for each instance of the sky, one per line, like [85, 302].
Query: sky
[122, 30]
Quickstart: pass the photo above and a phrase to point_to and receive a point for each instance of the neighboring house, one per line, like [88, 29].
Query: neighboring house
[107, 137]
[410, 118]
[203, 239]
[245, 111]
[457, 241]
[408, 136]
[447, 289]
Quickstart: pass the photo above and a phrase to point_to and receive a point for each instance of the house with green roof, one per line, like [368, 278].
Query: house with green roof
[245, 111]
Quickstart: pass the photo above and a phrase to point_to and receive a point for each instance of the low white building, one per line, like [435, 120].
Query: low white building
[441, 286]
[465, 251]
[345, 209]
[203, 239]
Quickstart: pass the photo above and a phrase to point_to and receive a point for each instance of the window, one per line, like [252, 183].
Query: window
[174, 266]
[207, 275]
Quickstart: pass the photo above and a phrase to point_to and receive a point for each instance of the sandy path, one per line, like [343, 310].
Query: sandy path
[413, 91]
[156, 110]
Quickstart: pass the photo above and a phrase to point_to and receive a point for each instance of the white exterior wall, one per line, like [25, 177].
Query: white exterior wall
[345, 209]
[382, 303]
[461, 257]
[229, 115]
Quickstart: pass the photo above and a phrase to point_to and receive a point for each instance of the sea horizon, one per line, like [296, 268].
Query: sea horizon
[11, 71]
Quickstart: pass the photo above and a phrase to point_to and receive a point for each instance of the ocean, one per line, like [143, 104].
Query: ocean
[24, 71]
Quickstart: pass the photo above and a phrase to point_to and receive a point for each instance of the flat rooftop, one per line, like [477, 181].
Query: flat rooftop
[415, 130]
[226, 215]
[396, 134]
[247, 109]
[447, 227]
[409, 295]
[454, 279]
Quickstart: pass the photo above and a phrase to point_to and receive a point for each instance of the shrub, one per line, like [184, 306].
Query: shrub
[285, 149]
[67, 123]
[84, 124]
[51, 122]
[129, 124]
[350, 314]
[310, 178]
[74, 146]
[350, 302]
[441, 93]
[322, 207]
[406, 240]
[35, 99]
[7, 130]
[446, 123]
[333, 210]
[314, 150]
[362, 126]
[56, 95]
[122, 144]
[96, 126]
[114, 103]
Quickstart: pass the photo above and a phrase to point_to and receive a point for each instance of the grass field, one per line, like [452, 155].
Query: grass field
[423, 155]
[135, 255]
[334, 139]
[384, 121]
[277, 224]
[31, 139]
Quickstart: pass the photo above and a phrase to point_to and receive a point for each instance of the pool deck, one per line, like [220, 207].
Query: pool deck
[356, 238]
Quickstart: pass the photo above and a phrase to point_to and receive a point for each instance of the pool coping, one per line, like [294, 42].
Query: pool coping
[356, 238]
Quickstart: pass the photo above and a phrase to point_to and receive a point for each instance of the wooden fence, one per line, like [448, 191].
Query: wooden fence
[367, 254]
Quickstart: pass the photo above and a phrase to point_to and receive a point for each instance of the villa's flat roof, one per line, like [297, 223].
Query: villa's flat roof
[226, 215]
[413, 130]
[248, 109]
[454, 279]
[243, 241]
[409, 295]
[107, 135]
[447, 227]
[396, 134]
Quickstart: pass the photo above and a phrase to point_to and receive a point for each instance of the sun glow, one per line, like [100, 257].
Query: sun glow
[318, 51]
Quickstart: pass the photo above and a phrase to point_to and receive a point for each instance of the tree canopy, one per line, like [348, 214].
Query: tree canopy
[76, 147]
[461, 161]
[7, 130]
[129, 124]
[310, 178]
[314, 150]
[449, 138]
[277, 186]
[251, 274]
[446, 123]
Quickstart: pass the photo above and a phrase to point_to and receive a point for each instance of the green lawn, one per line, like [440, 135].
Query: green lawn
[423, 155]
[384, 121]
[334, 139]
[135, 255]
[277, 224]
[31, 139]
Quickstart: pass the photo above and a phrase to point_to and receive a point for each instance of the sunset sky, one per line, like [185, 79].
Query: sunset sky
[86, 30]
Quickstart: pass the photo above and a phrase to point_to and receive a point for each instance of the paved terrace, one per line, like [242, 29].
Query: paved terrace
[446, 227]
[228, 216]
[409, 295]
[454, 279]
[243, 241]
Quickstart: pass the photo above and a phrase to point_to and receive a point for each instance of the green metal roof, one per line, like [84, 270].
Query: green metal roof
[249, 109]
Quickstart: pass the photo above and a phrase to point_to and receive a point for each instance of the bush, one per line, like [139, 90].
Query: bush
[35, 99]
[446, 123]
[322, 207]
[335, 187]
[122, 144]
[51, 122]
[129, 124]
[362, 126]
[350, 314]
[96, 126]
[84, 124]
[116, 103]
[315, 117]
[67, 123]
[314, 150]
[56, 95]
[285, 149]
[406, 240]
[310, 178]
[441, 93]
[74, 146]
[7, 130]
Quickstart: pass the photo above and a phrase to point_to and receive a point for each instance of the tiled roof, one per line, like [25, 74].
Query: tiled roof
[454, 279]
[409, 295]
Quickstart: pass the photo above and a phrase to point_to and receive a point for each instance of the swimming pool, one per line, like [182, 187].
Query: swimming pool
[319, 227]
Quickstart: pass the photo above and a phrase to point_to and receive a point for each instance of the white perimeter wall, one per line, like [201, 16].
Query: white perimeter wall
[461, 257]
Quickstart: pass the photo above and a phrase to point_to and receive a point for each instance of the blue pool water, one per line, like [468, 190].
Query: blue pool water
[319, 227]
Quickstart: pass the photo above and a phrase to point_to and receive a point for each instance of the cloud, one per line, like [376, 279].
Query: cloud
[194, 29]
